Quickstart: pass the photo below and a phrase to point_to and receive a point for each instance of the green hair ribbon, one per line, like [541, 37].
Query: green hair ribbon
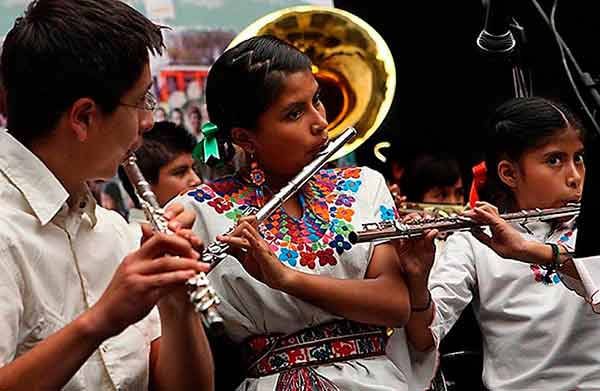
[209, 145]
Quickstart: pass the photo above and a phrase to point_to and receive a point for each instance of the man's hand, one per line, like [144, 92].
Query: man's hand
[162, 264]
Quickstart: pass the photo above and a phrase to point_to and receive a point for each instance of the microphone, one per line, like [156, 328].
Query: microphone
[496, 37]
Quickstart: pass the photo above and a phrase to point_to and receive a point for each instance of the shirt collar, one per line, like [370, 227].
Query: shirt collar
[41, 189]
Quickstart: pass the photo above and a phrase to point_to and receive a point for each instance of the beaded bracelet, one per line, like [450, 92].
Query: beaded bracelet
[556, 264]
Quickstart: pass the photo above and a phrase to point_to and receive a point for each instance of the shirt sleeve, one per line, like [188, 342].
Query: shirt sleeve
[11, 307]
[588, 284]
[452, 282]
[379, 200]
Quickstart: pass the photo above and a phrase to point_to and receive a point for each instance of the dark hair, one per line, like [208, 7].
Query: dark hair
[246, 80]
[516, 127]
[426, 172]
[176, 110]
[163, 143]
[63, 50]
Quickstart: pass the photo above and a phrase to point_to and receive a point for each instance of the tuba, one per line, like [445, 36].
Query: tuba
[351, 61]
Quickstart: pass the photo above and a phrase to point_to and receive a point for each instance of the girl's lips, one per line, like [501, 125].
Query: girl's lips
[320, 148]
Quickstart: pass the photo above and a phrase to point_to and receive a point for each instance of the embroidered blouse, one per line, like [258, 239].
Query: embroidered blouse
[334, 203]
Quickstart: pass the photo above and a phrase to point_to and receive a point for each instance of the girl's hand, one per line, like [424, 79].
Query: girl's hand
[255, 254]
[505, 240]
[399, 199]
[416, 255]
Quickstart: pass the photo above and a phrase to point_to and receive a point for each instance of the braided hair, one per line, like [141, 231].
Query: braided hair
[245, 80]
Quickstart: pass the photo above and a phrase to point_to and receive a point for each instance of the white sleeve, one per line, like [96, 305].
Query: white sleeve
[452, 282]
[379, 201]
[588, 286]
[11, 307]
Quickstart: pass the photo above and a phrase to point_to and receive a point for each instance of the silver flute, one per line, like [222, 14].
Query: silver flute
[393, 229]
[216, 251]
[202, 295]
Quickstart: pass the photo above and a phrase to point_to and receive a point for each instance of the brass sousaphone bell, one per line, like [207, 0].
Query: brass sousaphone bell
[351, 62]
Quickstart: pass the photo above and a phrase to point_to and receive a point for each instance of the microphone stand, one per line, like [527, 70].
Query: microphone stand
[521, 84]
[501, 39]
[586, 244]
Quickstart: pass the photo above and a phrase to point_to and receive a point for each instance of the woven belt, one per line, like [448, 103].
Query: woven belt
[335, 341]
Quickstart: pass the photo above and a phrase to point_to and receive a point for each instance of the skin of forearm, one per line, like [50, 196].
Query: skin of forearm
[382, 300]
[417, 329]
[541, 254]
[64, 351]
[184, 359]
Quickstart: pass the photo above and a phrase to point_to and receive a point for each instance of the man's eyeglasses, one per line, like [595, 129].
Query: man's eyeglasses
[149, 103]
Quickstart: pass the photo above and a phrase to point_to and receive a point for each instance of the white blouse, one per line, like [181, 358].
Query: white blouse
[335, 202]
[588, 285]
[536, 334]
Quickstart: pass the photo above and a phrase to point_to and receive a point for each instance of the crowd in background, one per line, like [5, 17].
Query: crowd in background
[423, 177]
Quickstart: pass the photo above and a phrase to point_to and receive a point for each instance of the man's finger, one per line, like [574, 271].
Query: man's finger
[168, 264]
[191, 237]
[147, 232]
[169, 279]
[161, 244]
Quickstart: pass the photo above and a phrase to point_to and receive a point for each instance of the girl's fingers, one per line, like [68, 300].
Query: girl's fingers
[252, 237]
[237, 242]
[251, 220]
[487, 206]
[244, 223]
[173, 210]
[487, 216]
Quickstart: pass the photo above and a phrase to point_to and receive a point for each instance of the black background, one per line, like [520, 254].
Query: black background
[446, 88]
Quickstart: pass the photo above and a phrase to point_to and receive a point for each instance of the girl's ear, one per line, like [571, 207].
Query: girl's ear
[244, 138]
[508, 172]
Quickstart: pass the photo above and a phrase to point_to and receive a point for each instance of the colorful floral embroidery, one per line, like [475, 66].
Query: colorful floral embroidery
[220, 204]
[544, 275]
[345, 200]
[202, 194]
[387, 213]
[310, 240]
[326, 257]
[289, 256]
[308, 259]
[564, 238]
